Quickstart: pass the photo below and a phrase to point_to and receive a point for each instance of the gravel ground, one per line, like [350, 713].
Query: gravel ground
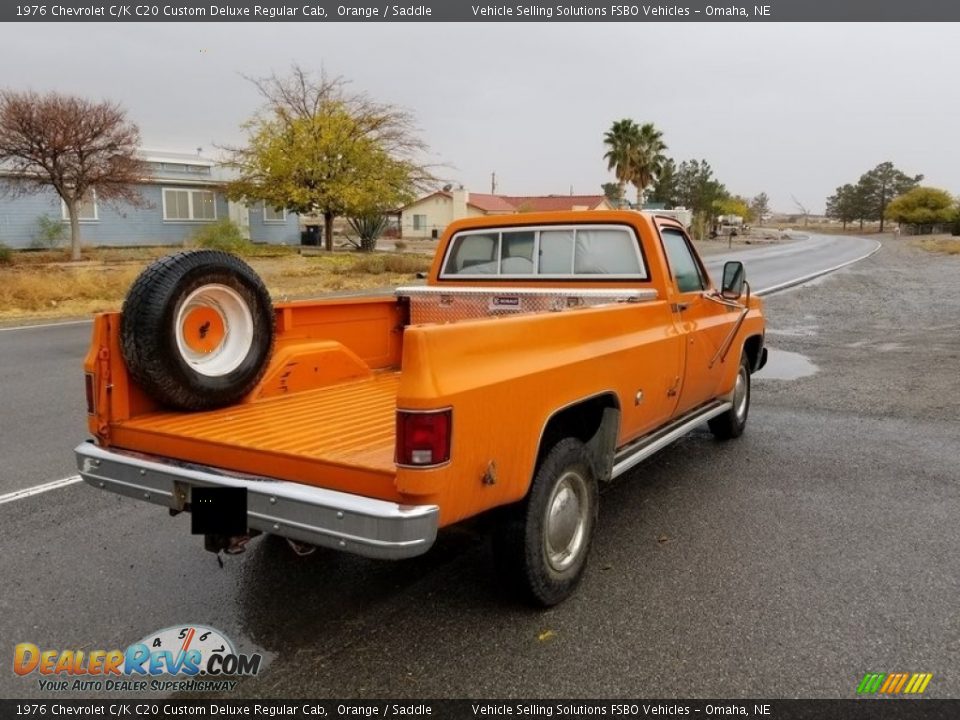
[887, 327]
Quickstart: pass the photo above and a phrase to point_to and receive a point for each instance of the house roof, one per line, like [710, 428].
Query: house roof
[489, 203]
[549, 203]
[181, 158]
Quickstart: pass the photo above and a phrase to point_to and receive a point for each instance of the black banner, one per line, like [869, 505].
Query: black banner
[481, 11]
[889, 709]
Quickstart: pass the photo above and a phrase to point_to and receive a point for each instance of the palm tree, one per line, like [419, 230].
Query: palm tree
[648, 159]
[622, 140]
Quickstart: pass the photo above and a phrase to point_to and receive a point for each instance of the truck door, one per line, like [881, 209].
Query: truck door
[703, 323]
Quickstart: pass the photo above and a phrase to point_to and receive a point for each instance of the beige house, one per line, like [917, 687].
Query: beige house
[428, 216]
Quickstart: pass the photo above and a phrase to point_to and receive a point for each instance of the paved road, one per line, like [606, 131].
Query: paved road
[771, 268]
[787, 563]
[41, 402]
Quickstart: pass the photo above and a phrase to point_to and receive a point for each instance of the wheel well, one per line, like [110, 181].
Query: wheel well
[582, 420]
[752, 348]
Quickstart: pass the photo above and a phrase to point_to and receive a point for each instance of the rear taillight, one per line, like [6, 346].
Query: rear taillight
[91, 404]
[423, 438]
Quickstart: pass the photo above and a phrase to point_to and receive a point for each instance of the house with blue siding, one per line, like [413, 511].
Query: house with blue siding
[182, 193]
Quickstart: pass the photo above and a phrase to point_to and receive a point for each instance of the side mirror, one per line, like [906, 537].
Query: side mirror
[733, 280]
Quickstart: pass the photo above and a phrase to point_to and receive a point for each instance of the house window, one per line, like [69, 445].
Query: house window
[272, 215]
[87, 208]
[419, 222]
[189, 204]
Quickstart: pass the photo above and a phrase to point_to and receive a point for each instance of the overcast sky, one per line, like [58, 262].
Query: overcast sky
[790, 109]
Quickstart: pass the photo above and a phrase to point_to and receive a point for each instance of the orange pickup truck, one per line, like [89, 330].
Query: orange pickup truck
[545, 354]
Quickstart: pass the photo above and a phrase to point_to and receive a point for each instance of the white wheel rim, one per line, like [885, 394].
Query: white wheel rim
[223, 307]
[565, 524]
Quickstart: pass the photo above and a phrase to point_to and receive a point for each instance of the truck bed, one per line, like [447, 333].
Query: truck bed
[294, 437]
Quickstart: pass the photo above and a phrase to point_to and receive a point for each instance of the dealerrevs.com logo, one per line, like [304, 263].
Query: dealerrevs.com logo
[179, 658]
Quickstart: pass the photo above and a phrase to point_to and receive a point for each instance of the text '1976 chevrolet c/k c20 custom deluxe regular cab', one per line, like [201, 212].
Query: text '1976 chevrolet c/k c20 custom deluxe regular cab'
[546, 353]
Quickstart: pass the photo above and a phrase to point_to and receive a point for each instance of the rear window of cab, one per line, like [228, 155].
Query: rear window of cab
[559, 252]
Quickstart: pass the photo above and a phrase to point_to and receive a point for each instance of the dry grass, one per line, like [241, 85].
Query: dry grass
[43, 285]
[56, 291]
[944, 244]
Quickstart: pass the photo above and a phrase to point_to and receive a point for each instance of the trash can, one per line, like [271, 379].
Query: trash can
[310, 236]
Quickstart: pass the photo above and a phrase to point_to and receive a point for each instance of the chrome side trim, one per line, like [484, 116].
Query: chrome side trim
[328, 518]
[632, 454]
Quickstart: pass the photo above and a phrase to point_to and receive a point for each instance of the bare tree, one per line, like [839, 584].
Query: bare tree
[71, 144]
[802, 208]
[327, 178]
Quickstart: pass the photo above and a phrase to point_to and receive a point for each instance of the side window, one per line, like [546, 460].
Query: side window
[682, 263]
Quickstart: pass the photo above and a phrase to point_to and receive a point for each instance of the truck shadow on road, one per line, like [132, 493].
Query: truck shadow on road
[335, 593]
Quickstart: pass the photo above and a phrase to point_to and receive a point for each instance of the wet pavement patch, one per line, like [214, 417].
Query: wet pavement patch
[785, 365]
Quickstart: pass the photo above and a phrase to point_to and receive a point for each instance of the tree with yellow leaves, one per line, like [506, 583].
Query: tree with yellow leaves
[316, 148]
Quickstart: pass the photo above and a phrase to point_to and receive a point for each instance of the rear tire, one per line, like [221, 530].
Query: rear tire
[197, 330]
[541, 544]
[732, 423]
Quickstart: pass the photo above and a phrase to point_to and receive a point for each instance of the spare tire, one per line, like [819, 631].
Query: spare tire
[197, 329]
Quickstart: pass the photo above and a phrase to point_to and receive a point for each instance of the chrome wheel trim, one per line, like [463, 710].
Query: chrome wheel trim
[237, 330]
[740, 395]
[565, 521]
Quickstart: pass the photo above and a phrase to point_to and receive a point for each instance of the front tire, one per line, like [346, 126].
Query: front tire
[732, 423]
[542, 543]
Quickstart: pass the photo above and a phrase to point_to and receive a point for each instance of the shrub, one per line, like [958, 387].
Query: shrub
[221, 235]
[400, 245]
[369, 227]
[50, 233]
[6, 254]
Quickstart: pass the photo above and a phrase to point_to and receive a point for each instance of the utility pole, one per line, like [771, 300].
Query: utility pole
[493, 183]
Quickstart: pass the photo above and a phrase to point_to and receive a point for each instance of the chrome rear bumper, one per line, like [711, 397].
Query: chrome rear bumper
[328, 518]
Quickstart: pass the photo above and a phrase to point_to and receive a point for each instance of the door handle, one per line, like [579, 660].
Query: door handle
[680, 307]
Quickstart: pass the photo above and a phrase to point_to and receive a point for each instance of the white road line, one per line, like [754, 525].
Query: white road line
[46, 325]
[37, 489]
[818, 273]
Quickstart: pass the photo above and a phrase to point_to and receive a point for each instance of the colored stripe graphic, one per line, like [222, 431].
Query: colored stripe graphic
[890, 683]
[894, 683]
[871, 683]
[918, 683]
